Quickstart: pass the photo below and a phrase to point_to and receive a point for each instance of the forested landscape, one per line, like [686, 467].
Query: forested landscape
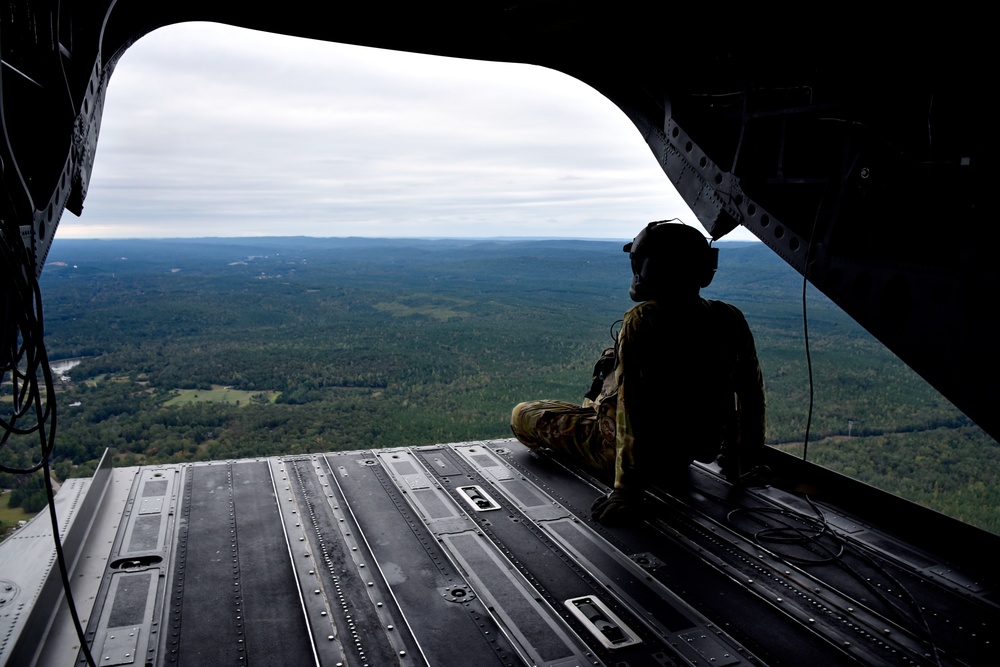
[224, 348]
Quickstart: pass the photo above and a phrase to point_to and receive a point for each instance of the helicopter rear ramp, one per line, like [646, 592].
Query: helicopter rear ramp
[484, 553]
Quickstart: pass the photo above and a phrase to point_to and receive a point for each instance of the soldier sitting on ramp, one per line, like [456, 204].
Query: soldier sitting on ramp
[682, 384]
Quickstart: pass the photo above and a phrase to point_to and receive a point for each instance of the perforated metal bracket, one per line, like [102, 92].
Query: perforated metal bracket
[603, 623]
[478, 500]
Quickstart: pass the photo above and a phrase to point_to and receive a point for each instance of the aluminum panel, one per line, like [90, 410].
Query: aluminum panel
[534, 626]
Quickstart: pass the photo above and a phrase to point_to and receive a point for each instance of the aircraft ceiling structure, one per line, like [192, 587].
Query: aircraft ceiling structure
[859, 151]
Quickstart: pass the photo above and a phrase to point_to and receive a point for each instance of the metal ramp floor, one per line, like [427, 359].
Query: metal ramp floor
[483, 553]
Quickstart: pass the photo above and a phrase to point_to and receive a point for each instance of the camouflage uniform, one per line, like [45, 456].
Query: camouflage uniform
[686, 386]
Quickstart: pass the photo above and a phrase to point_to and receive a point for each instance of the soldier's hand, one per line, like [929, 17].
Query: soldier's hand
[616, 509]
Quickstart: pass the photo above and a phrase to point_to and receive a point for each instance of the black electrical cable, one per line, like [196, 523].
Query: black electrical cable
[808, 532]
[809, 537]
[809, 366]
[614, 334]
[805, 327]
[25, 361]
[63, 570]
[805, 275]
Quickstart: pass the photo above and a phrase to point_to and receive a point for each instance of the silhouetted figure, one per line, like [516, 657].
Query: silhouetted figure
[682, 384]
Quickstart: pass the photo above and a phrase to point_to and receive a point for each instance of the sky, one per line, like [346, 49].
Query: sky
[211, 130]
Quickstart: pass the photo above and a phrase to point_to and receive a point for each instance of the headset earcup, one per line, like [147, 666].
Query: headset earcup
[640, 281]
[711, 266]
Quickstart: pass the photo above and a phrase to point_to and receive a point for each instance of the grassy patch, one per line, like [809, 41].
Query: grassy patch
[441, 312]
[9, 516]
[220, 394]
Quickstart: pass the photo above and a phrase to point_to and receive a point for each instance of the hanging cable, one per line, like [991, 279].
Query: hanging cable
[614, 334]
[809, 367]
[24, 357]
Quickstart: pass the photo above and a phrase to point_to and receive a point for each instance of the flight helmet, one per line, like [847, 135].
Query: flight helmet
[669, 257]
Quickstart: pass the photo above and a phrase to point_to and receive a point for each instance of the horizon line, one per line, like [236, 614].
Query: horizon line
[380, 238]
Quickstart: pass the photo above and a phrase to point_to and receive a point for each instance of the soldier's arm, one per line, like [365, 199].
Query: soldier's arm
[750, 397]
[626, 472]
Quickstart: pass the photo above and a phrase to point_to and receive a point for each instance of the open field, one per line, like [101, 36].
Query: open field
[9, 516]
[220, 394]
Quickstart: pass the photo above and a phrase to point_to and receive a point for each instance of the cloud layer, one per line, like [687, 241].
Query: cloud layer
[210, 130]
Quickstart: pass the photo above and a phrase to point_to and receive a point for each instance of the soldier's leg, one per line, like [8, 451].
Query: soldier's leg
[569, 429]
